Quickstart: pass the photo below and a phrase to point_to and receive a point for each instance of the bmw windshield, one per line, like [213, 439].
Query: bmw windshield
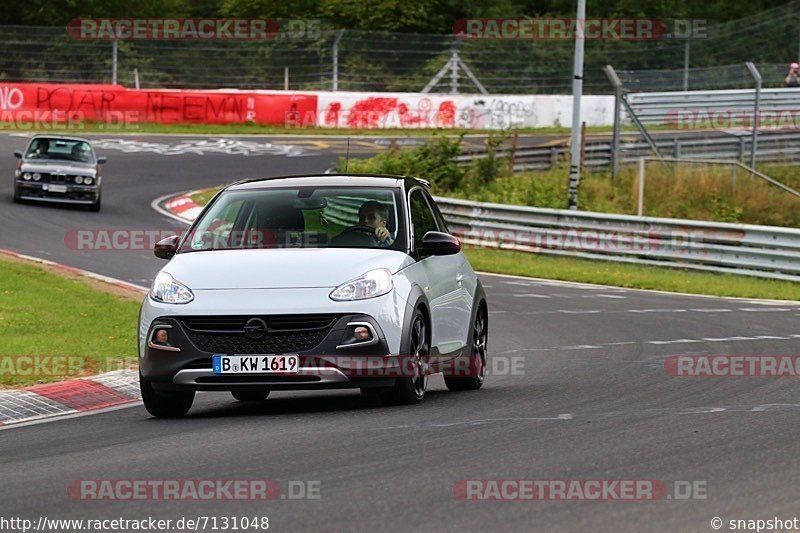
[301, 217]
[60, 150]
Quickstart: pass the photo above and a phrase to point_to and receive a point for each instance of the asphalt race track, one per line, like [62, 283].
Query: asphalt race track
[588, 399]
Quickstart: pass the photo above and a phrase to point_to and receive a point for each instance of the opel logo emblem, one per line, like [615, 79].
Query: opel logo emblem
[255, 328]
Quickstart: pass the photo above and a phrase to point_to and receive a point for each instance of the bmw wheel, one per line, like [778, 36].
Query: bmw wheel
[478, 357]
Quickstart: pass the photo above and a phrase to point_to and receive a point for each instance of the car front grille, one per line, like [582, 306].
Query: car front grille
[58, 178]
[285, 333]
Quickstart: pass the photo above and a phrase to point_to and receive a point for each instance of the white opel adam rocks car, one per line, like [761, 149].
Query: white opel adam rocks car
[312, 282]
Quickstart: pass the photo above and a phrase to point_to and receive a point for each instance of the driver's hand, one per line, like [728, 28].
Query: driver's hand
[382, 234]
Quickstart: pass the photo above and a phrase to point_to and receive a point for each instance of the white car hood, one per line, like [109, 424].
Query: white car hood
[280, 268]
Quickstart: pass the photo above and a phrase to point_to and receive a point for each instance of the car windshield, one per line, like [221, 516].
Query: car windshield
[301, 217]
[60, 149]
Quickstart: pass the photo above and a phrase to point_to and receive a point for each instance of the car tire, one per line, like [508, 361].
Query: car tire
[411, 390]
[16, 195]
[478, 356]
[165, 404]
[95, 206]
[250, 395]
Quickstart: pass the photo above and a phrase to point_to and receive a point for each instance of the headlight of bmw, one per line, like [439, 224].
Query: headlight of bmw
[167, 290]
[374, 283]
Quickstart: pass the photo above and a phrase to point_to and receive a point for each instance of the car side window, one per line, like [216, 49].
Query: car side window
[422, 218]
[438, 215]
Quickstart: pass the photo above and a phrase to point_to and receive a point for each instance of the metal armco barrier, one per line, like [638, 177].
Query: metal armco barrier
[661, 108]
[760, 251]
[773, 147]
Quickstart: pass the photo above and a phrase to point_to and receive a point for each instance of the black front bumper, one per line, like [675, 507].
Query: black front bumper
[75, 194]
[185, 362]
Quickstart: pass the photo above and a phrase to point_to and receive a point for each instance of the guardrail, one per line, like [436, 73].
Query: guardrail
[750, 250]
[773, 147]
[658, 108]
[761, 251]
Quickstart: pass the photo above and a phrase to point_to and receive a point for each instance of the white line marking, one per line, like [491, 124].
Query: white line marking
[565, 416]
[676, 341]
[656, 310]
[155, 205]
[657, 343]
[764, 310]
[582, 347]
[590, 286]
[530, 296]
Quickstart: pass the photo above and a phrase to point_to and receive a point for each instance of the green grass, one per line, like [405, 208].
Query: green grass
[626, 275]
[697, 192]
[45, 314]
[204, 196]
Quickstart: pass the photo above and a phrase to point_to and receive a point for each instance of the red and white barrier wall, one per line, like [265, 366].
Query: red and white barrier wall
[51, 103]
[413, 110]
[114, 103]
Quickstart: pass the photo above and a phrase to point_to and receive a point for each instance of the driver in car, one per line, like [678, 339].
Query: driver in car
[372, 219]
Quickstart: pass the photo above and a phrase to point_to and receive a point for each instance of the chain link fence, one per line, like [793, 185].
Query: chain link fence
[379, 61]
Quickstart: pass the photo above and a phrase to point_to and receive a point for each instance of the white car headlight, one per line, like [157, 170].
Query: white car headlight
[167, 290]
[26, 176]
[36, 176]
[78, 179]
[374, 283]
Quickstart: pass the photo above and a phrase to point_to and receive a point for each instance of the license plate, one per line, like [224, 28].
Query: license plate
[57, 188]
[256, 364]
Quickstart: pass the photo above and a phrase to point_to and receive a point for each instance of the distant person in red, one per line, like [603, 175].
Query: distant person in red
[793, 78]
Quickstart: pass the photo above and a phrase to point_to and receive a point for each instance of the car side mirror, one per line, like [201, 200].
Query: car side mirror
[18, 155]
[439, 243]
[102, 160]
[167, 248]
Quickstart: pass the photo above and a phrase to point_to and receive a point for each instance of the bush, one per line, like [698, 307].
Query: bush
[432, 161]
